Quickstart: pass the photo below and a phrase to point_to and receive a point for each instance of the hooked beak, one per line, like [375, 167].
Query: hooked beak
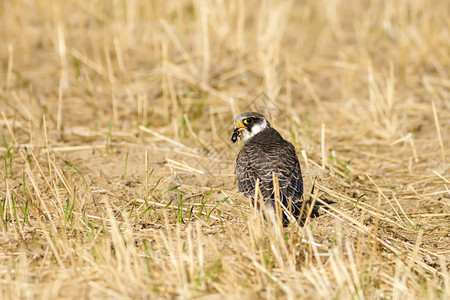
[238, 127]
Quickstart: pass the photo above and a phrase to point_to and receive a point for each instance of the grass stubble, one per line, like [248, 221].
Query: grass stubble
[118, 173]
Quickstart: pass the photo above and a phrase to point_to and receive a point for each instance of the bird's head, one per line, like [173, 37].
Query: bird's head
[248, 124]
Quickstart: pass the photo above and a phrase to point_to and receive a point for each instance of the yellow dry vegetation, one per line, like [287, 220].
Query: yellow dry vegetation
[117, 170]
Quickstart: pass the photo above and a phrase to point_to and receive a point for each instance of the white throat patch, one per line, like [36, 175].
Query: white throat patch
[257, 128]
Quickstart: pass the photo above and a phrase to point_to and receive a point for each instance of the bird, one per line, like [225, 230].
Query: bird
[264, 153]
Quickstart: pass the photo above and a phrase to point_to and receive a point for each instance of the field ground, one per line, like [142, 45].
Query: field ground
[117, 176]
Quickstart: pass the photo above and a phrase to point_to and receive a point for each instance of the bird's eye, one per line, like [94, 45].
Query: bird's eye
[248, 121]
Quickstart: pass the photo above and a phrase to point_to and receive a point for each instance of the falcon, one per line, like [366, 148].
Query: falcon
[265, 153]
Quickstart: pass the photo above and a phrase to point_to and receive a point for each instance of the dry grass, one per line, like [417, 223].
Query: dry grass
[117, 176]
